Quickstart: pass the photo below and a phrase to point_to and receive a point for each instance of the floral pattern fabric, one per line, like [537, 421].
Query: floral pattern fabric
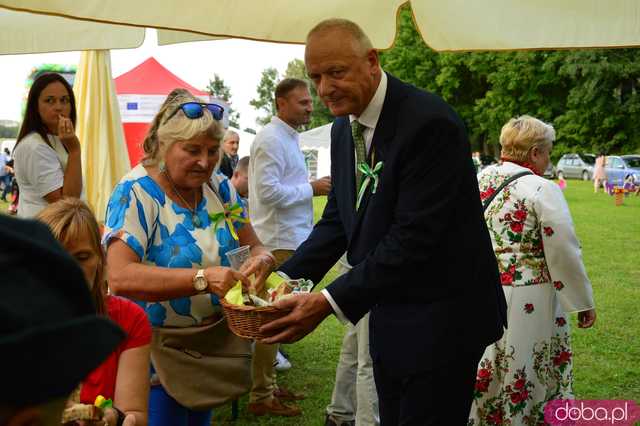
[164, 234]
[543, 279]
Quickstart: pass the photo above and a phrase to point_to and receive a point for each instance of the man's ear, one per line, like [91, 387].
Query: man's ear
[373, 59]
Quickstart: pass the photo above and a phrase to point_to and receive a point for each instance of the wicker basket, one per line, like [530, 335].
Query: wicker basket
[245, 321]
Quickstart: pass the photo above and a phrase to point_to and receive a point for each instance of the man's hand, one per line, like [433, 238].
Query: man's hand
[307, 311]
[321, 186]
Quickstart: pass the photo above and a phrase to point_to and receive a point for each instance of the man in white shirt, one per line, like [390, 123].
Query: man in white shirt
[281, 200]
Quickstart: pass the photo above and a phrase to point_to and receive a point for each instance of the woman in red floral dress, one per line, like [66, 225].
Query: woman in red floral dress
[543, 279]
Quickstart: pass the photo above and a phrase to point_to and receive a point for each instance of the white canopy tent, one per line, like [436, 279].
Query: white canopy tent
[316, 144]
[33, 33]
[444, 25]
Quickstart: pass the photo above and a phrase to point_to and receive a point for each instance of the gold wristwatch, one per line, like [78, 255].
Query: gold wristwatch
[200, 283]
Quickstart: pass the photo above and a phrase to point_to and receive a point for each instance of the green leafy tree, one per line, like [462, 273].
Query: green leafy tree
[603, 101]
[218, 89]
[517, 83]
[590, 96]
[451, 75]
[265, 100]
[296, 69]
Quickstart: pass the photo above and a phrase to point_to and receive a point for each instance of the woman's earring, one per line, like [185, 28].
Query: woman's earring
[163, 166]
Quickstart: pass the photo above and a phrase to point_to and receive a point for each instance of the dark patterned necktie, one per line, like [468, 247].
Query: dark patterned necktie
[357, 130]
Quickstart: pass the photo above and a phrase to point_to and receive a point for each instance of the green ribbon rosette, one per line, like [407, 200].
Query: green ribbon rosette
[370, 175]
[231, 214]
[102, 402]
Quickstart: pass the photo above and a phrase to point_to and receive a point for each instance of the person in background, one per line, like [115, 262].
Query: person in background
[5, 176]
[240, 178]
[562, 183]
[599, 173]
[476, 161]
[14, 190]
[47, 151]
[166, 250]
[12, 187]
[354, 400]
[280, 196]
[50, 335]
[240, 181]
[124, 376]
[543, 279]
[230, 145]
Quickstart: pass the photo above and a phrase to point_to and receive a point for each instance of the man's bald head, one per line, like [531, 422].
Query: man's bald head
[350, 28]
[343, 66]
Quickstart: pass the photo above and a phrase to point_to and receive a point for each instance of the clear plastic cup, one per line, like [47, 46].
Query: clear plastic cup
[238, 256]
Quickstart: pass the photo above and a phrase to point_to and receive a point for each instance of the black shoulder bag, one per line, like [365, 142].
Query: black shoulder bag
[501, 187]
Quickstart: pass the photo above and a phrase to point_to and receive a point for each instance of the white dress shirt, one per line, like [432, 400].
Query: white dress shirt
[369, 119]
[371, 114]
[280, 195]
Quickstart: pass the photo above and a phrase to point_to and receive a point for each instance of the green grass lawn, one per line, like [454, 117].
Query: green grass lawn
[607, 357]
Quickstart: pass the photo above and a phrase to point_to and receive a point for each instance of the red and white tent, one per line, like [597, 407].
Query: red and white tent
[140, 92]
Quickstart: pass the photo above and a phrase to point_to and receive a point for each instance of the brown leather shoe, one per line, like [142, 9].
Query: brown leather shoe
[285, 394]
[274, 407]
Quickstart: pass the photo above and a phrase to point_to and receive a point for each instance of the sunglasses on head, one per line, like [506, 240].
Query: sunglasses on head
[195, 110]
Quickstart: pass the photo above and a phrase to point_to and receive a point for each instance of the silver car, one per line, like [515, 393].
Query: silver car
[576, 166]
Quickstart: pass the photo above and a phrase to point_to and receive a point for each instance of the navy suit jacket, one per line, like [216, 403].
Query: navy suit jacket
[225, 166]
[423, 260]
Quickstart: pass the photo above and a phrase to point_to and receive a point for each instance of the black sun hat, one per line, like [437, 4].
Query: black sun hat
[50, 335]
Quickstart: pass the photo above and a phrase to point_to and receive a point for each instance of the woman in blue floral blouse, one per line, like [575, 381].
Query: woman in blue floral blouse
[169, 223]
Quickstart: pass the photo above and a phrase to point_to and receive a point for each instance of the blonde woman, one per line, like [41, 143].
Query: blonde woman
[167, 238]
[122, 377]
[543, 279]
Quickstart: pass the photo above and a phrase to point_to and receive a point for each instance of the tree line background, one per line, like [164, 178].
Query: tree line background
[590, 96]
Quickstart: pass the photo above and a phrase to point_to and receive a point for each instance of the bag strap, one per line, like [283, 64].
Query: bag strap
[501, 187]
